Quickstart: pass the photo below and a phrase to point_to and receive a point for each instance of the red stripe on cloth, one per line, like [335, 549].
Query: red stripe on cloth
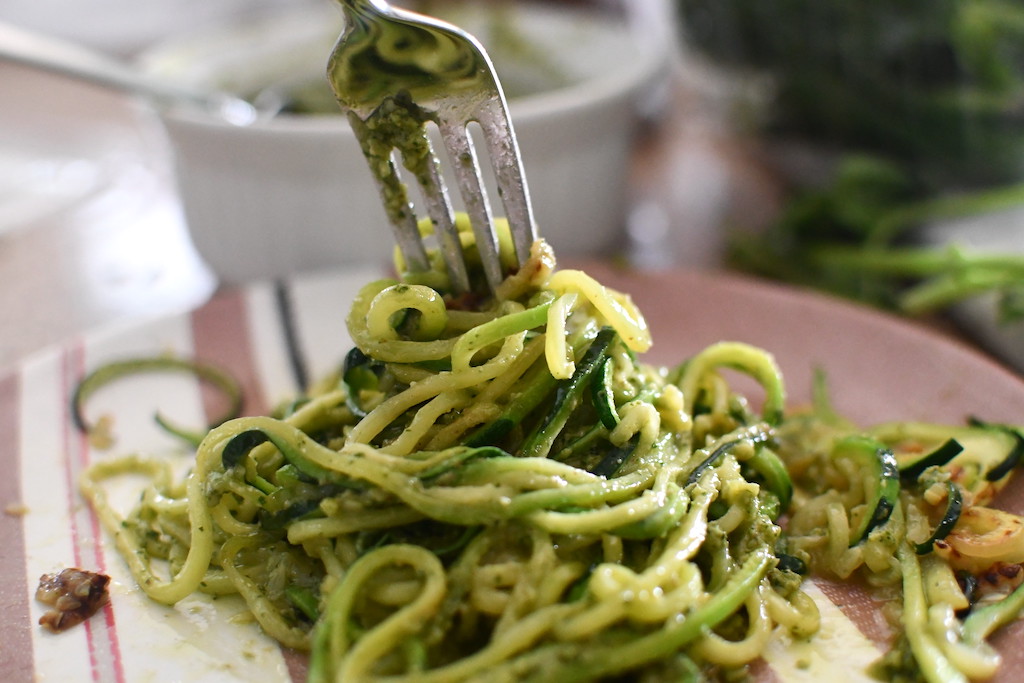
[220, 331]
[86, 530]
[860, 607]
[71, 369]
[297, 663]
[97, 557]
[762, 672]
[16, 660]
[1007, 640]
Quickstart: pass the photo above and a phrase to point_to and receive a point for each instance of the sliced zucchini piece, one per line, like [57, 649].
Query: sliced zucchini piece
[304, 600]
[661, 521]
[533, 389]
[982, 537]
[710, 460]
[456, 457]
[772, 471]
[790, 563]
[1013, 458]
[756, 435]
[238, 447]
[877, 465]
[745, 358]
[303, 509]
[989, 451]
[538, 385]
[911, 465]
[602, 394]
[954, 504]
[568, 396]
[614, 459]
[360, 373]
[109, 372]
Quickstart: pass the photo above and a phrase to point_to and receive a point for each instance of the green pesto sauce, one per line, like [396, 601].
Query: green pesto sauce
[396, 125]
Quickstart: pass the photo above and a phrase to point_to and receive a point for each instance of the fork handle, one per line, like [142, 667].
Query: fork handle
[27, 48]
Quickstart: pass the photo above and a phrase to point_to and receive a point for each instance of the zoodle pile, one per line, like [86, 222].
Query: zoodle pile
[498, 486]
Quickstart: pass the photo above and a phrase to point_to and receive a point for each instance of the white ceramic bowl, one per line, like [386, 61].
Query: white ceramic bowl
[294, 194]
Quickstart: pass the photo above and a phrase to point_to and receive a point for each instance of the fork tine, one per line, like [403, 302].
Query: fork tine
[510, 175]
[400, 212]
[467, 174]
[439, 208]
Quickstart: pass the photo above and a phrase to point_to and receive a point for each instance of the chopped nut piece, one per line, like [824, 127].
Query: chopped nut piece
[75, 594]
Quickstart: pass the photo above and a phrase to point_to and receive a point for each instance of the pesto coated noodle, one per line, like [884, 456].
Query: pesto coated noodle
[500, 487]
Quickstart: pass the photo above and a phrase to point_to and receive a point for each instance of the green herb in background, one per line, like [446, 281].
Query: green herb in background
[935, 83]
[926, 98]
[851, 239]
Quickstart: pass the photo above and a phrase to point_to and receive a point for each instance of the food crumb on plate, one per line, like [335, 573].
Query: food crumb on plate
[16, 509]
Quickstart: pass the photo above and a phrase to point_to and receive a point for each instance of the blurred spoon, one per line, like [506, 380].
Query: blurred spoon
[57, 56]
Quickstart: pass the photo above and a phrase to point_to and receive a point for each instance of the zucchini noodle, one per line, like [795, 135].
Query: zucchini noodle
[497, 486]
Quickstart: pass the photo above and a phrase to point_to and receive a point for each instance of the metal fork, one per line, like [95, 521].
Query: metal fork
[393, 71]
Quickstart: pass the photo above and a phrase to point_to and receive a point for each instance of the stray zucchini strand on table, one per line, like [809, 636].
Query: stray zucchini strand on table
[498, 485]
